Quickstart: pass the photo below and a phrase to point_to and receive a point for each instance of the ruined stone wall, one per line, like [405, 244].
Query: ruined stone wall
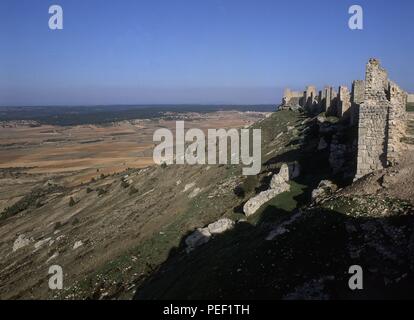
[329, 103]
[292, 97]
[344, 102]
[291, 94]
[357, 97]
[381, 124]
[377, 106]
[328, 98]
[310, 96]
[372, 124]
[396, 123]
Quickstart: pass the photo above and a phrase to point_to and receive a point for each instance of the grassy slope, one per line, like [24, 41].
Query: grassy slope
[239, 263]
[138, 263]
[310, 260]
[235, 248]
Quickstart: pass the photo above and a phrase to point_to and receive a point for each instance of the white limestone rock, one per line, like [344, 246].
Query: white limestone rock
[197, 238]
[220, 226]
[54, 256]
[281, 177]
[188, 186]
[21, 242]
[194, 193]
[256, 202]
[40, 243]
[77, 245]
[286, 173]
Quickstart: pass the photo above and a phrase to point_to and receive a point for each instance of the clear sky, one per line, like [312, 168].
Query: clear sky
[194, 51]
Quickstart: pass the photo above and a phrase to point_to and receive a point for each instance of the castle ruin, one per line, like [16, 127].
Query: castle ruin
[377, 106]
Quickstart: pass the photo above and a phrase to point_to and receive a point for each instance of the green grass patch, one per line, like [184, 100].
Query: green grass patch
[280, 206]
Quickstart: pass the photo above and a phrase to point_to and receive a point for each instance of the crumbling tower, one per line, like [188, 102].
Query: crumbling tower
[344, 102]
[357, 97]
[381, 121]
[397, 124]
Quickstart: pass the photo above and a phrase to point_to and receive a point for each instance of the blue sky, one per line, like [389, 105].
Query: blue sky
[194, 51]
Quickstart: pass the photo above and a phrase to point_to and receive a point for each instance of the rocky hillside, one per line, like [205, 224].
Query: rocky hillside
[305, 251]
[133, 234]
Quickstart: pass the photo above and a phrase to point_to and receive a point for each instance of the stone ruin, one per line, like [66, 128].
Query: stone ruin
[341, 103]
[377, 106]
[382, 121]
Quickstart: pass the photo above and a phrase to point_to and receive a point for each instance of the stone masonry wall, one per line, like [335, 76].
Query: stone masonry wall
[291, 98]
[381, 122]
[377, 106]
[373, 117]
[357, 97]
[396, 123]
[344, 101]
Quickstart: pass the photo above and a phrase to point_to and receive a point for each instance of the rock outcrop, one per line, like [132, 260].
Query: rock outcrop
[256, 202]
[325, 188]
[220, 226]
[21, 242]
[278, 184]
[203, 235]
[197, 238]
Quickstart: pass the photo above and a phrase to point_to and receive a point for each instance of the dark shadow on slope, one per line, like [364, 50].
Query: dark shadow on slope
[240, 264]
[309, 260]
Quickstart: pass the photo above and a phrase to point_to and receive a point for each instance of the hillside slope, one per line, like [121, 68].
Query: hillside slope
[306, 252]
[123, 235]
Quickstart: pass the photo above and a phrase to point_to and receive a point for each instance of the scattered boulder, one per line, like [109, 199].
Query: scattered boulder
[54, 256]
[256, 202]
[278, 184]
[21, 242]
[77, 244]
[194, 193]
[220, 226]
[188, 186]
[321, 118]
[325, 188]
[281, 177]
[40, 243]
[286, 173]
[197, 238]
[203, 235]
